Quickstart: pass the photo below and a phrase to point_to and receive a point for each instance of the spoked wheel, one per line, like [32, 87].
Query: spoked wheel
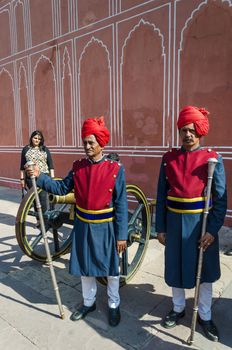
[138, 232]
[58, 225]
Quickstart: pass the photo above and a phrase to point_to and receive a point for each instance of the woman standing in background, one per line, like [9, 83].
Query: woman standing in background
[38, 153]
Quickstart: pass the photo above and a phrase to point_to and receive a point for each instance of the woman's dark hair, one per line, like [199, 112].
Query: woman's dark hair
[37, 133]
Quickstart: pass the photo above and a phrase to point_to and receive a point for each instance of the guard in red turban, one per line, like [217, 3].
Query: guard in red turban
[195, 115]
[182, 196]
[100, 229]
[96, 127]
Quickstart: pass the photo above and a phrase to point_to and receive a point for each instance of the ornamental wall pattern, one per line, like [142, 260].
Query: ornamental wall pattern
[135, 62]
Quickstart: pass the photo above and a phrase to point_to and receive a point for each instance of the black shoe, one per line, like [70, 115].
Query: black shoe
[82, 312]
[209, 329]
[172, 318]
[114, 316]
[228, 252]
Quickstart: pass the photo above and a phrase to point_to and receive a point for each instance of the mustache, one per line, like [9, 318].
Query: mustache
[187, 138]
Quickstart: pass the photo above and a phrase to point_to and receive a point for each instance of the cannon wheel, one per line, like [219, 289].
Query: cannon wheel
[30, 239]
[29, 235]
[138, 231]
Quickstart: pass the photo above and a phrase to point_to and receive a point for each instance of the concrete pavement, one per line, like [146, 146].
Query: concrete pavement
[29, 316]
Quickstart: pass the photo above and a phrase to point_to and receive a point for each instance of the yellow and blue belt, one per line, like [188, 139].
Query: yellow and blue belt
[186, 205]
[95, 216]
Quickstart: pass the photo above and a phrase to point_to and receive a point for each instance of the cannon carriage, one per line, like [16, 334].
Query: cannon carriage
[59, 222]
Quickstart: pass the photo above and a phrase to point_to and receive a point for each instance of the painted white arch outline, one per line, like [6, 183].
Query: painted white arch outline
[22, 70]
[102, 45]
[155, 29]
[194, 12]
[17, 4]
[66, 58]
[143, 22]
[45, 58]
[66, 66]
[2, 10]
[4, 70]
[90, 42]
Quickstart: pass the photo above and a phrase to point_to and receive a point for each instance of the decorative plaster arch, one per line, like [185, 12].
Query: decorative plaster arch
[19, 3]
[66, 57]
[99, 42]
[189, 19]
[4, 70]
[143, 22]
[94, 40]
[155, 29]
[22, 68]
[205, 2]
[66, 54]
[43, 57]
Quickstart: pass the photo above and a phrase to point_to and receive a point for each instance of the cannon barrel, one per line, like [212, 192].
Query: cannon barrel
[68, 199]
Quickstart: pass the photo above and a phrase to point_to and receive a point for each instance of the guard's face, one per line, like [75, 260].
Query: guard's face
[190, 139]
[92, 148]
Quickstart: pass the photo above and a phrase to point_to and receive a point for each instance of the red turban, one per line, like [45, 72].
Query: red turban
[96, 127]
[195, 115]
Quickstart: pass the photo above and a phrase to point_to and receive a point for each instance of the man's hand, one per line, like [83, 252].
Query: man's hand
[161, 237]
[22, 183]
[206, 241]
[32, 170]
[121, 246]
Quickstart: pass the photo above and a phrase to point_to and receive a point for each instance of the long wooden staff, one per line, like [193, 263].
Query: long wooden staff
[42, 226]
[211, 167]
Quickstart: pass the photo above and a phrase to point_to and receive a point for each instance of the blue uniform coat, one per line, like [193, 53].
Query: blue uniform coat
[94, 248]
[183, 232]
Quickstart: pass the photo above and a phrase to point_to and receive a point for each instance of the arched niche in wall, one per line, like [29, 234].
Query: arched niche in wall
[7, 111]
[142, 73]
[95, 82]
[19, 20]
[44, 84]
[5, 38]
[67, 95]
[205, 67]
[23, 95]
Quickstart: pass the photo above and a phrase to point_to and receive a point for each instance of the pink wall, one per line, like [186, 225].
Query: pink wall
[135, 62]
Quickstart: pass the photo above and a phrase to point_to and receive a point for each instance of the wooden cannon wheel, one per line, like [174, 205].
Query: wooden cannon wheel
[58, 228]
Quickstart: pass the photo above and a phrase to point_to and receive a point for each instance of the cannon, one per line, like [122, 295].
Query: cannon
[59, 222]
